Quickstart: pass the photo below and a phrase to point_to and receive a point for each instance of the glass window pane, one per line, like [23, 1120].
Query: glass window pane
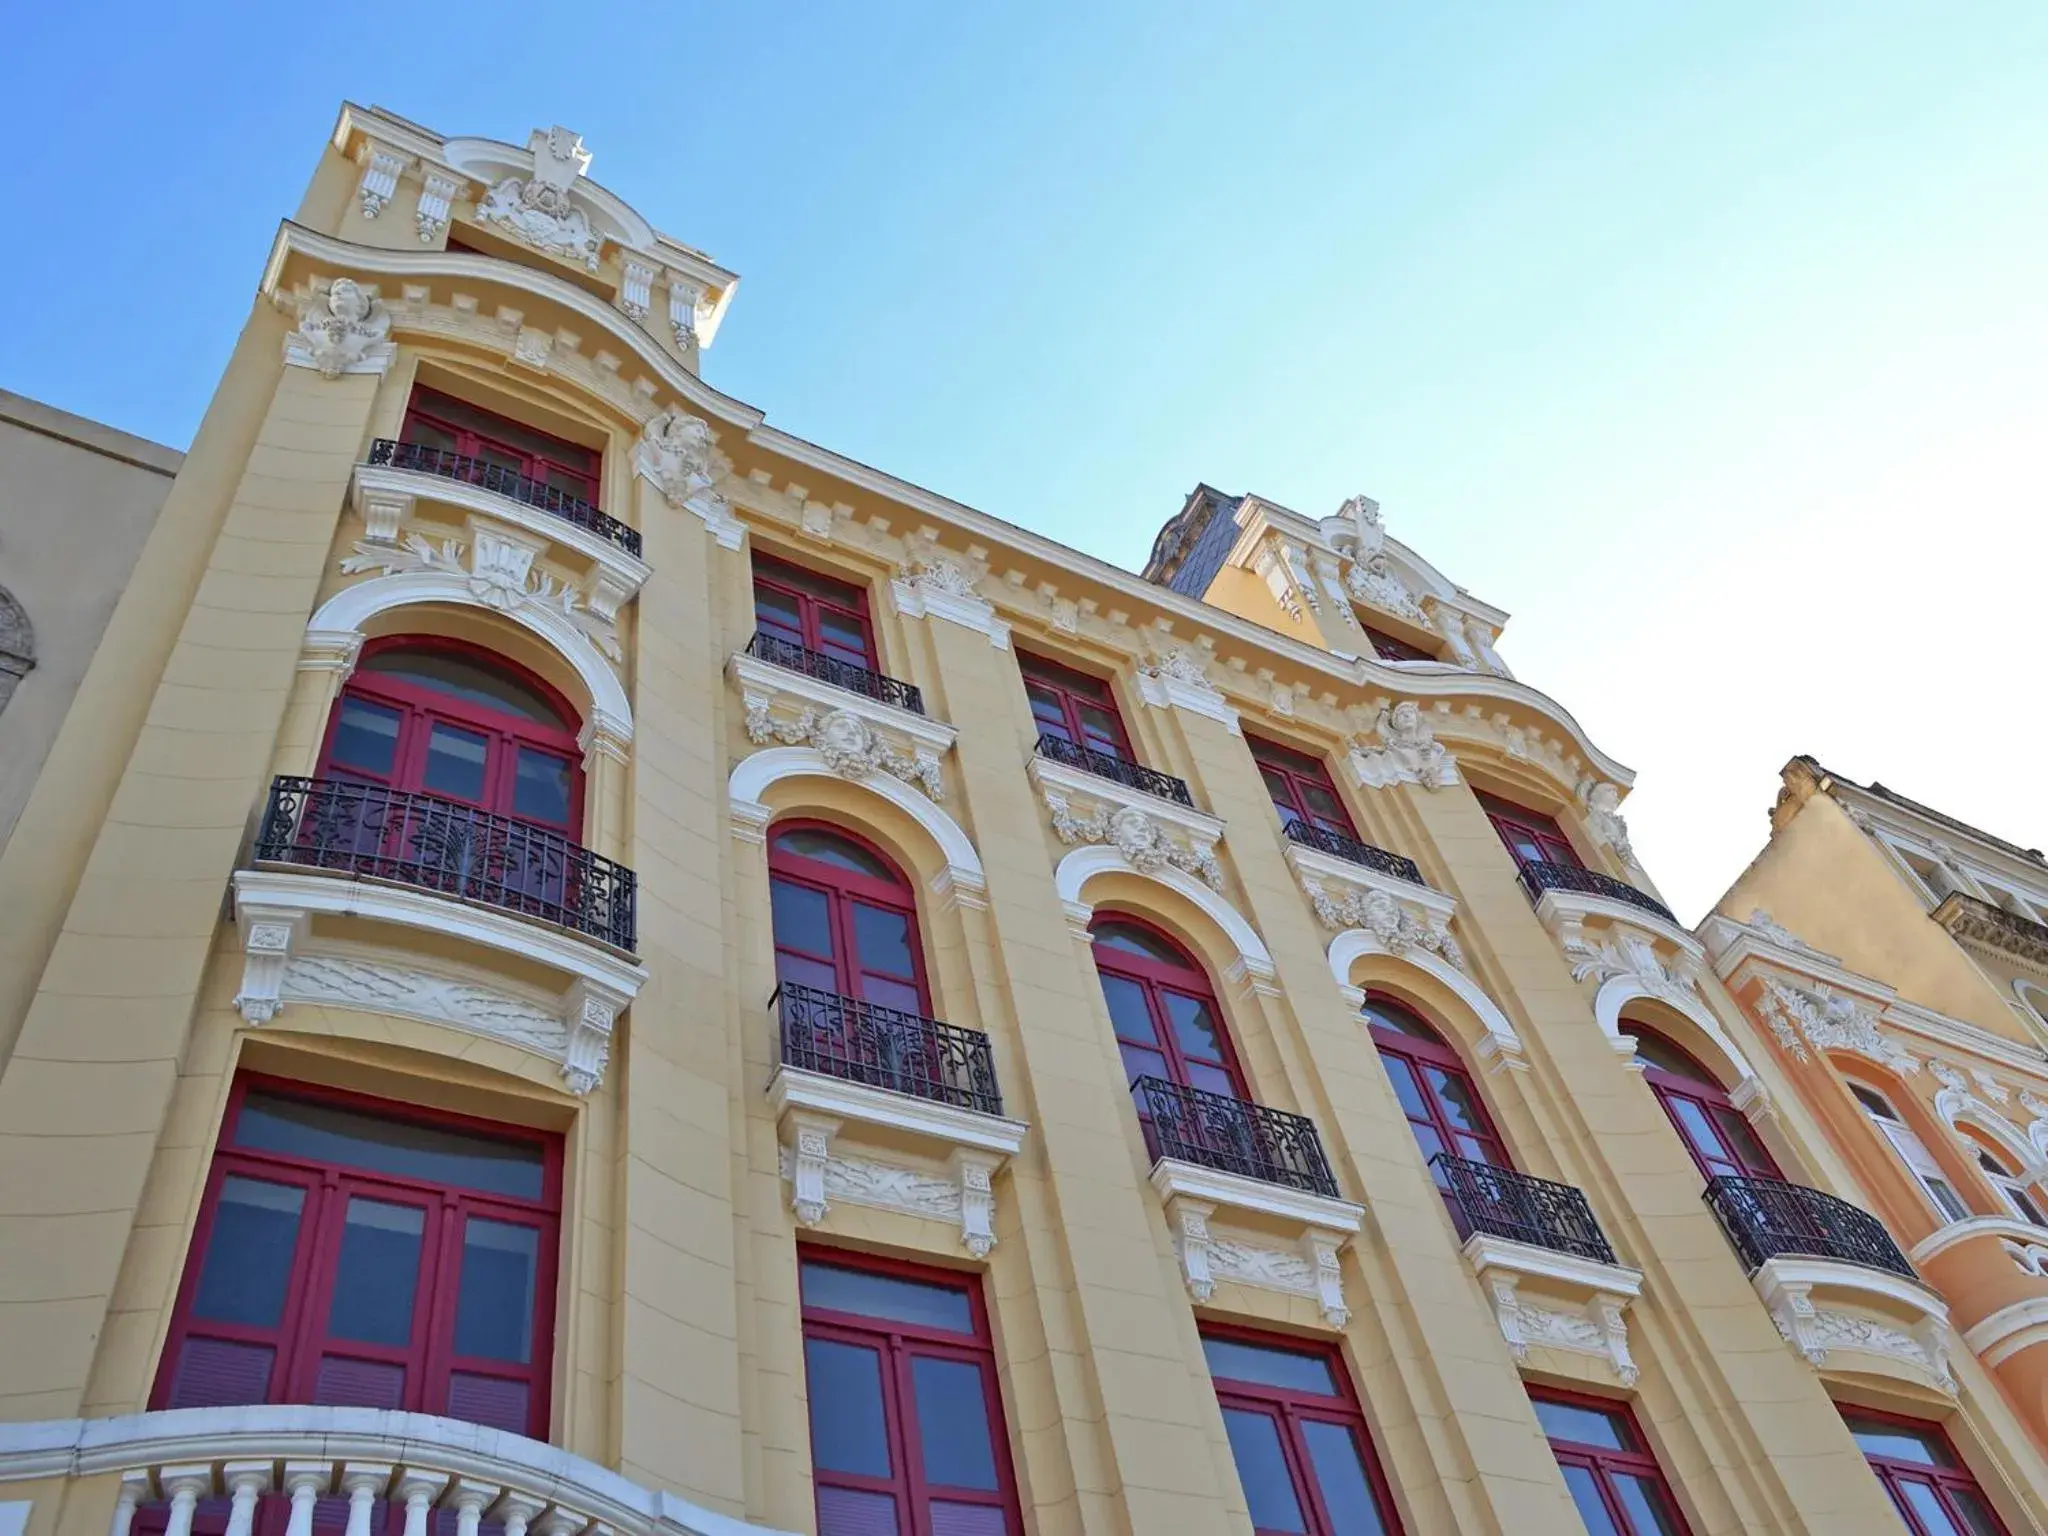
[777, 612]
[1592, 1508]
[849, 1422]
[1928, 1514]
[869, 1294]
[1323, 804]
[843, 635]
[540, 787]
[800, 916]
[1701, 1134]
[455, 762]
[949, 1519]
[1211, 1079]
[463, 677]
[891, 993]
[1431, 1144]
[884, 939]
[427, 435]
[1649, 1511]
[366, 736]
[1292, 1370]
[249, 1254]
[1578, 1425]
[1898, 1442]
[1406, 1088]
[1195, 1028]
[952, 1423]
[1456, 1098]
[1139, 1062]
[1949, 1202]
[1138, 941]
[377, 1273]
[854, 1512]
[830, 848]
[1341, 1479]
[1741, 1140]
[1104, 731]
[328, 1133]
[1977, 1516]
[1665, 1057]
[1127, 1010]
[1262, 1469]
[494, 1303]
[1380, 1014]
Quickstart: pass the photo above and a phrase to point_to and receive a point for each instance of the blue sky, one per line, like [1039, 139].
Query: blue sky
[1710, 341]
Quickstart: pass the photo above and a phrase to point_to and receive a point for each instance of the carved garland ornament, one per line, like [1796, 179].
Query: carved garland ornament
[1397, 927]
[851, 747]
[1402, 748]
[1135, 835]
[1829, 1021]
[539, 209]
[343, 328]
[500, 574]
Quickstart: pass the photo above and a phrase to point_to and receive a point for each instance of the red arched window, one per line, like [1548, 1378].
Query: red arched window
[1934, 1491]
[1437, 1094]
[1167, 1021]
[845, 918]
[459, 723]
[1713, 1130]
[802, 608]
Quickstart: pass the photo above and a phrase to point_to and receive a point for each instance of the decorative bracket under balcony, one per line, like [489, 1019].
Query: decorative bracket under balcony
[1983, 926]
[1398, 911]
[1604, 937]
[856, 734]
[1843, 1316]
[1543, 1299]
[1227, 1227]
[314, 938]
[599, 555]
[1148, 830]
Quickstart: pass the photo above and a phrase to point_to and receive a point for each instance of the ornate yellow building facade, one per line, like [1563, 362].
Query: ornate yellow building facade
[581, 963]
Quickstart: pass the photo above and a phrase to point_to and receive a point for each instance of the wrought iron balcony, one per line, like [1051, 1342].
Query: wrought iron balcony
[840, 674]
[1765, 1218]
[452, 849]
[1233, 1136]
[1352, 851]
[863, 1042]
[1980, 922]
[506, 482]
[1521, 1208]
[1103, 765]
[1539, 875]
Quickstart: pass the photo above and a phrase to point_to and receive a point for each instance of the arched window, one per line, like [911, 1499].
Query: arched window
[2013, 1189]
[845, 918]
[1167, 1022]
[1912, 1152]
[1713, 1130]
[453, 721]
[1437, 1094]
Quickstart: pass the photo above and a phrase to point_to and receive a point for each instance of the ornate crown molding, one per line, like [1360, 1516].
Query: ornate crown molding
[1177, 676]
[500, 569]
[935, 583]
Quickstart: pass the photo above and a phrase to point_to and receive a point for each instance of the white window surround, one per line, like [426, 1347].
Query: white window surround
[794, 708]
[2009, 1330]
[2010, 1229]
[1305, 1262]
[1499, 1046]
[817, 1115]
[1254, 963]
[310, 1452]
[1557, 1301]
[1824, 1309]
[284, 961]
[387, 499]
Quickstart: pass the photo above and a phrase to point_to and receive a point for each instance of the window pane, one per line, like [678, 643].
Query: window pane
[462, 677]
[1341, 1479]
[1381, 1014]
[1104, 731]
[377, 1273]
[1873, 1103]
[1455, 1096]
[455, 762]
[1736, 1132]
[1592, 1509]
[427, 435]
[1195, 1028]
[1928, 1514]
[1262, 1468]
[249, 1255]
[1977, 1516]
[1281, 790]
[1323, 804]
[1581, 1426]
[1406, 1088]
[1665, 1057]
[1138, 941]
[1649, 1511]
[868, 1294]
[844, 636]
[883, 938]
[949, 1519]
[1701, 1134]
[1139, 1062]
[366, 736]
[800, 916]
[540, 787]
[778, 614]
[1947, 1199]
[849, 1422]
[851, 1512]
[952, 1423]
[830, 848]
[1898, 1442]
[328, 1133]
[494, 1304]
[891, 993]
[1288, 1369]
[1127, 1010]
[1211, 1079]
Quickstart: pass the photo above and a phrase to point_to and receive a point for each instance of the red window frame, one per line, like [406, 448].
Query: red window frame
[478, 433]
[299, 1338]
[1291, 777]
[1424, 1060]
[818, 598]
[1687, 1101]
[1074, 707]
[845, 891]
[1156, 982]
[899, 1344]
[1941, 1484]
[1529, 836]
[1603, 1463]
[1394, 648]
[421, 707]
[1288, 1409]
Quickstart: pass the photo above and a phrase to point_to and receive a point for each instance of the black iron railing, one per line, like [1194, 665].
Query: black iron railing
[1233, 1136]
[1105, 766]
[450, 848]
[506, 482]
[1768, 1217]
[1521, 1208]
[840, 674]
[1340, 846]
[1539, 875]
[863, 1042]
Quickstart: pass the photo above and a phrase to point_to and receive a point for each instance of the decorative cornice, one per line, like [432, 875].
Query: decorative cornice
[1623, 940]
[1174, 676]
[1827, 1020]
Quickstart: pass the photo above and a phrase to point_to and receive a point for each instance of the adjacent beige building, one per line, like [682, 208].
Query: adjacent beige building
[586, 963]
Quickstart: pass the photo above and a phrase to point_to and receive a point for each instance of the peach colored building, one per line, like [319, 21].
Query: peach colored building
[589, 965]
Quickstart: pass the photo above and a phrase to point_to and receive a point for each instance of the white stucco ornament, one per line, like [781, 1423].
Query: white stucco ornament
[1830, 1021]
[851, 747]
[674, 454]
[1402, 749]
[538, 209]
[498, 570]
[343, 328]
[1145, 845]
[1600, 803]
